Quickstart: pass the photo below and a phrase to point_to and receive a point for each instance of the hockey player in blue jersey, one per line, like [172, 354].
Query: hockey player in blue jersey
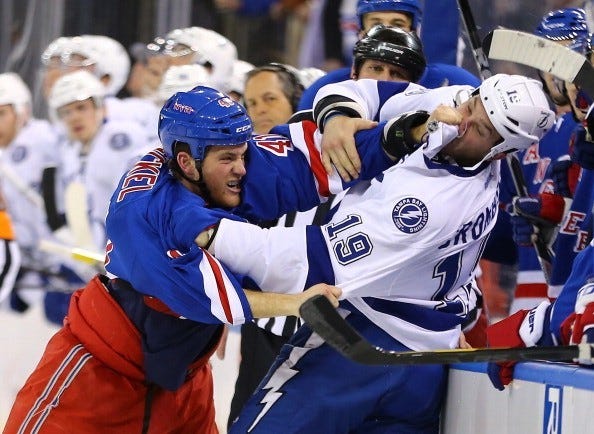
[403, 248]
[405, 14]
[141, 339]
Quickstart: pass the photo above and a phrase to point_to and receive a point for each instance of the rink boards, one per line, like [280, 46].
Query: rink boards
[544, 398]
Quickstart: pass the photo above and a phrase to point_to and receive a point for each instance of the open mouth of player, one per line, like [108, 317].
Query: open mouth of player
[234, 186]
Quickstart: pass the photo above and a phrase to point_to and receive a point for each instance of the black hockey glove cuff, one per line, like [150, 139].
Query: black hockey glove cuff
[332, 105]
[398, 140]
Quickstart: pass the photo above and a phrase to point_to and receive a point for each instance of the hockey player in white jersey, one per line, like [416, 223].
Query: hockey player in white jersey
[98, 149]
[27, 146]
[108, 60]
[403, 247]
[95, 154]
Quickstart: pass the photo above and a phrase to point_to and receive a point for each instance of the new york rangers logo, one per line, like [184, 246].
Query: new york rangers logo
[410, 215]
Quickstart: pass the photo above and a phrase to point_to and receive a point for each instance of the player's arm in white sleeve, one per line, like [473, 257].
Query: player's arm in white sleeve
[287, 245]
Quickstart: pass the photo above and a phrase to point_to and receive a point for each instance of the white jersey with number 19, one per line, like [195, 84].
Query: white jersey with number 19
[403, 247]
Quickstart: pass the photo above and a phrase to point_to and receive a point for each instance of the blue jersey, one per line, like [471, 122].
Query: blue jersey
[152, 223]
[536, 161]
[285, 172]
[581, 272]
[574, 231]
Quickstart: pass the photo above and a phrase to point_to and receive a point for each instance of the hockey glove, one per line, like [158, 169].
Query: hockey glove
[583, 323]
[398, 140]
[546, 211]
[582, 144]
[522, 329]
[565, 175]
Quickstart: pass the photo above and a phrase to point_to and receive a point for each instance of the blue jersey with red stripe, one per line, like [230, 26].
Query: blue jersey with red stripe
[153, 221]
[535, 162]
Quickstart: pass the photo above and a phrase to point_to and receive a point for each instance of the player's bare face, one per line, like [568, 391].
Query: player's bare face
[476, 134]
[265, 101]
[387, 18]
[378, 70]
[223, 168]
[82, 119]
[8, 125]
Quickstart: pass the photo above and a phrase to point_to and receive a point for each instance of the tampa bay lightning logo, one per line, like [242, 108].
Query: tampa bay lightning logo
[19, 153]
[119, 141]
[410, 215]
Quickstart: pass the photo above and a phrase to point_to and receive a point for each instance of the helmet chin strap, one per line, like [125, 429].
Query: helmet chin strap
[204, 190]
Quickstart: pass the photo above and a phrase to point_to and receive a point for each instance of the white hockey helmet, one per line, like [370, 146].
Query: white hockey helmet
[212, 49]
[14, 91]
[182, 78]
[309, 75]
[75, 86]
[113, 61]
[236, 83]
[53, 53]
[518, 109]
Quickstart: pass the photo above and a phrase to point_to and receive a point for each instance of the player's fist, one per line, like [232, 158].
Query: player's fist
[565, 175]
[583, 324]
[544, 211]
[582, 144]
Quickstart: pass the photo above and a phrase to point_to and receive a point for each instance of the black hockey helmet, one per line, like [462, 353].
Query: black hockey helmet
[392, 45]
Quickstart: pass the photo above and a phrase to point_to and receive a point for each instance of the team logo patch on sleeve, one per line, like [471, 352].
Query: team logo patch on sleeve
[119, 141]
[410, 215]
[19, 153]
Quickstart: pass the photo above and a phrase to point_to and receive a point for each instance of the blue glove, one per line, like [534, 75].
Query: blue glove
[544, 211]
[565, 174]
[583, 145]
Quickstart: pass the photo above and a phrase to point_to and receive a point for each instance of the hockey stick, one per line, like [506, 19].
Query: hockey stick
[55, 219]
[77, 215]
[79, 254]
[482, 63]
[542, 54]
[542, 252]
[319, 314]
[30, 194]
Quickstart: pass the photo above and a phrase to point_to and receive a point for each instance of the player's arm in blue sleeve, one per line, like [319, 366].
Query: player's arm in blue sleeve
[287, 175]
[442, 74]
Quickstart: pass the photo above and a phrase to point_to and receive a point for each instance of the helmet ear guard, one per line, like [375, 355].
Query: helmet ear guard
[202, 117]
[518, 109]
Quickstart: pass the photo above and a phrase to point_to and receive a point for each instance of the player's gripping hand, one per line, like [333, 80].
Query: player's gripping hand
[338, 145]
[544, 211]
[582, 322]
[331, 292]
[565, 175]
[583, 143]
[523, 329]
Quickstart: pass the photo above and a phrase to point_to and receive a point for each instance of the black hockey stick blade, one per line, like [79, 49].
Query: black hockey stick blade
[543, 252]
[482, 63]
[319, 314]
[542, 54]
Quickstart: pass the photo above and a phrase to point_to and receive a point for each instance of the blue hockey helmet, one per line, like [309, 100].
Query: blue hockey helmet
[563, 24]
[202, 117]
[411, 7]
